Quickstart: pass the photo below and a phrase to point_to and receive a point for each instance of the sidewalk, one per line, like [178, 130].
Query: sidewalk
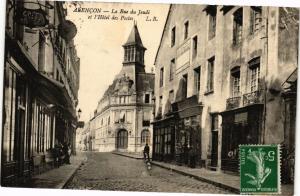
[57, 178]
[220, 179]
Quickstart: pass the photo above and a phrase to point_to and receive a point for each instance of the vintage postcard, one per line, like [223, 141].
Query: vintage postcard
[178, 98]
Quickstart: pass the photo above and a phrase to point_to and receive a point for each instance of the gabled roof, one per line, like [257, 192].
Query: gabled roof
[134, 37]
[163, 33]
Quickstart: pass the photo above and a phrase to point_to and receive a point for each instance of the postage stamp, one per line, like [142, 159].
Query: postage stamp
[260, 169]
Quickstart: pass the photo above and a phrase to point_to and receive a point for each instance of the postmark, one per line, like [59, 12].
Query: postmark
[260, 169]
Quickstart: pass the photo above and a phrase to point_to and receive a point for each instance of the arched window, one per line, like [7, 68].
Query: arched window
[122, 139]
[145, 137]
[108, 120]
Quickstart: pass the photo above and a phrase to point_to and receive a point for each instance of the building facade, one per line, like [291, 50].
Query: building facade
[41, 82]
[219, 81]
[122, 118]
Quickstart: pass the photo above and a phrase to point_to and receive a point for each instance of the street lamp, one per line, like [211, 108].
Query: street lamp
[79, 113]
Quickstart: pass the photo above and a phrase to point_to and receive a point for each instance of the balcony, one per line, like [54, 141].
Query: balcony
[233, 102]
[251, 98]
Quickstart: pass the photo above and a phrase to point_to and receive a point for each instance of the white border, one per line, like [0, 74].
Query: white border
[46, 192]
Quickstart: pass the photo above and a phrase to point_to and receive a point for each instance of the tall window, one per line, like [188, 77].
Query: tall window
[160, 101]
[235, 82]
[255, 19]
[172, 69]
[186, 29]
[197, 80]
[128, 116]
[147, 98]
[161, 79]
[254, 66]
[237, 26]
[145, 137]
[195, 46]
[146, 118]
[212, 16]
[41, 55]
[117, 116]
[171, 96]
[185, 77]
[173, 36]
[210, 74]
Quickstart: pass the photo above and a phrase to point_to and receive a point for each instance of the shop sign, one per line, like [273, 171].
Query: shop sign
[32, 18]
[241, 117]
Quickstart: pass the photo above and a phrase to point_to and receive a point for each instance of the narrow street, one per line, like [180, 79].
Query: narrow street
[106, 171]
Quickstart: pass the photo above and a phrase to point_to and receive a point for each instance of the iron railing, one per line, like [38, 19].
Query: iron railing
[251, 98]
[233, 102]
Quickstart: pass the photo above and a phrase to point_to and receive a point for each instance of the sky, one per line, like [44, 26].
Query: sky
[99, 45]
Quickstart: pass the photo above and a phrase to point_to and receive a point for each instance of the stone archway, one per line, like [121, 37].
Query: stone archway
[122, 139]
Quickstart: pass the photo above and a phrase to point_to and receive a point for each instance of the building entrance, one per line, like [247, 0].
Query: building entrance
[122, 139]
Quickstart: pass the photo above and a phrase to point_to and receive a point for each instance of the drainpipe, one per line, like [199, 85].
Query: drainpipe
[262, 140]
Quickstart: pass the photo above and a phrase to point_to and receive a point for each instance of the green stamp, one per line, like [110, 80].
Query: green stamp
[260, 169]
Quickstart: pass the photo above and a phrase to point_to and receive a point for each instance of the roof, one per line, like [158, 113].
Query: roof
[134, 37]
[163, 32]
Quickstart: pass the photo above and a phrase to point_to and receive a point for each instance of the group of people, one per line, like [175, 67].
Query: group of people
[62, 153]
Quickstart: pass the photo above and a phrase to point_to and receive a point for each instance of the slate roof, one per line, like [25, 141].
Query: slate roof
[134, 37]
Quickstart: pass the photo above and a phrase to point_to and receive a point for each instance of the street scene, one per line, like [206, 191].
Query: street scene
[149, 97]
[106, 171]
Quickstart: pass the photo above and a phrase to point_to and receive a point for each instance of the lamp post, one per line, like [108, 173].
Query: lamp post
[77, 126]
[79, 113]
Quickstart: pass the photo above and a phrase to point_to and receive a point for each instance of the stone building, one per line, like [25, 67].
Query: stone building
[41, 82]
[219, 82]
[122, 118]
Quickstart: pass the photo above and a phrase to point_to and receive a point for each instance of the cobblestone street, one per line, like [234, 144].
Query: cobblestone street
[106, 171]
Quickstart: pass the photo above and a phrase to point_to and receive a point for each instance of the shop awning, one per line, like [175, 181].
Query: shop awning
[290, 85]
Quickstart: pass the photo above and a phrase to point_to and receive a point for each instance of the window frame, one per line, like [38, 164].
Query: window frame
[161, 77]
[194, 47]
[210, 74]
[186, 30]
[254, 74]
[173, 36]
[172, 69]
[197, 79]
[255, 19]
[235, 75]
[212, 22]
[237, 26]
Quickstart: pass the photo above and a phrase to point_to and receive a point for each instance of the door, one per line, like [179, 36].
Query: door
[122, 139]
[214, 140]
[214, 150]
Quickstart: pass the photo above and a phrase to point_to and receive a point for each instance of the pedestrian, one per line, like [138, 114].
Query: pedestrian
[146, 152]
[66, 153]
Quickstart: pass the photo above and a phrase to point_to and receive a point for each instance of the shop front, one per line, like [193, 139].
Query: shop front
[239, 126]
[177, 136]
[164, 139]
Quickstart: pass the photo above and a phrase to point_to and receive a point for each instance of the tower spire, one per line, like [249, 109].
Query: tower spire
[134, 49]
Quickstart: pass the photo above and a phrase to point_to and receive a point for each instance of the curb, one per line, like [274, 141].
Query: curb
[128, 156]
[69, 178]
[224, 186]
